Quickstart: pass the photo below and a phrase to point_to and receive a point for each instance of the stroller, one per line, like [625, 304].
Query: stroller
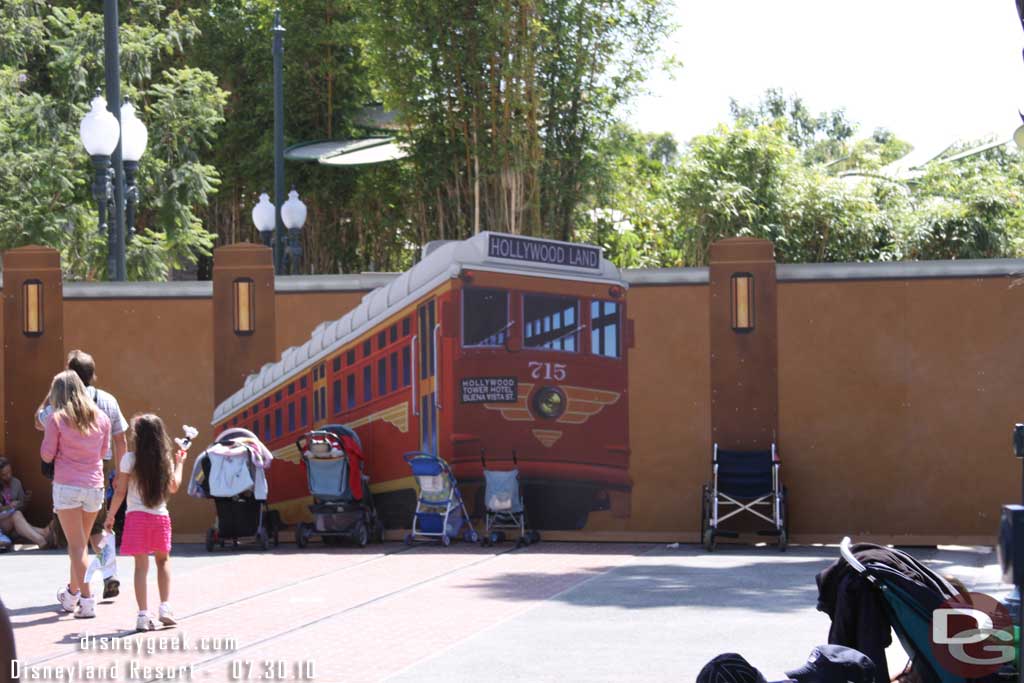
[503, 505]
[232, 471]
[342, 504]
[440, 511]
[910, 597]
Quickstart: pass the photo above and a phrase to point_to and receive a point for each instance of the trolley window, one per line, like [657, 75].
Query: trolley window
[291, 417]
[337, 396]
[367, 384]
[303, 412]
[382, 376]
[350, 390]
[604, 328]
[406, 362]
[394, 371]
[484, 317]
[551, 322]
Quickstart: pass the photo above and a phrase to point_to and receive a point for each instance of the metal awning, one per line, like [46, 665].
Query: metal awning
[347, 152]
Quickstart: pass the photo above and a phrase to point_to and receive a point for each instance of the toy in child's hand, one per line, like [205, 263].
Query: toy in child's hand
[185, 442]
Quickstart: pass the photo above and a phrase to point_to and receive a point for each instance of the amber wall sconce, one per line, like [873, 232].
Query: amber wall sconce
[245, 306]
[32, 305]
[742, 302]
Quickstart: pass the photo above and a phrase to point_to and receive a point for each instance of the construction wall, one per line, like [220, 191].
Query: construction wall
[898, 385]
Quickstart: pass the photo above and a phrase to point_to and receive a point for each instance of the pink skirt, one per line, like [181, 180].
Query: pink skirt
[145, 534]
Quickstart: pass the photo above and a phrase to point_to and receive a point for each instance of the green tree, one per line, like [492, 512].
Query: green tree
[52, 59]
[504, 101]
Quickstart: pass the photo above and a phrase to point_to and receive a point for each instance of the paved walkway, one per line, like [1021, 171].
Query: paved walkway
[555, 611]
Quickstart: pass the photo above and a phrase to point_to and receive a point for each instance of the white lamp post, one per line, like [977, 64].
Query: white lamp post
[293, 215]
[100, 132]
[134, 137]
[263, 217]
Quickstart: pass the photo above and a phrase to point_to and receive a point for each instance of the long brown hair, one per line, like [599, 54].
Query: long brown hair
[70, 401]
[152, 472]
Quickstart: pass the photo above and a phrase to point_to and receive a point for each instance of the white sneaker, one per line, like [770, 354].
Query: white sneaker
[144, 622]
[167, 616]
[86, 608]
[68, 600]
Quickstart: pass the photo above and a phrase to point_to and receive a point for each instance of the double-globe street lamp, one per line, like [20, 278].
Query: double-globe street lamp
[100, 134]
[293, 215]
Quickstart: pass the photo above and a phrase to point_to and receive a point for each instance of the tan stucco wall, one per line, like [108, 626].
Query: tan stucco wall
[896, 398]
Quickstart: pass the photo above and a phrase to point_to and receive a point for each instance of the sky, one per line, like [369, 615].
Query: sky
[931, 71]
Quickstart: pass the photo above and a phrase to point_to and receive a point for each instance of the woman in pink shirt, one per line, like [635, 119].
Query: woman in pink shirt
[76, 436]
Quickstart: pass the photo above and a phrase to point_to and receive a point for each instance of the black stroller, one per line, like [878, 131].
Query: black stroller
[909, 593]
[232, 471]
[342, 504]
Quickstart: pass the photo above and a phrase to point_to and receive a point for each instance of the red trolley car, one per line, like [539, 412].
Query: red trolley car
[498, 343]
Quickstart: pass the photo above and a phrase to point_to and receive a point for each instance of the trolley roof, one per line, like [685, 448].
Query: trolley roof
[488, 251]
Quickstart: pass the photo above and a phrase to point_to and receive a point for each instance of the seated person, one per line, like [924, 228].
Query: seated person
[13, 498]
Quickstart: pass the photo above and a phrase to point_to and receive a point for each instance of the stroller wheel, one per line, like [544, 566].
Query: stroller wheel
[521, 542]
[300, 535]
[471, 536]
[709, 540]
[209, 540]
[408, 539]
[485, 541]
[534, 536]
[446, 540]
[361, 535]
[497, 537]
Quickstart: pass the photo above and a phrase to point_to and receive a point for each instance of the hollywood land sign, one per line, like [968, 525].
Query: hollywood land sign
[548, 253]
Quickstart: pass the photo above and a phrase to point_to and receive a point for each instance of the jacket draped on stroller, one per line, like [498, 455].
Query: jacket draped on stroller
[233, 472]
[874, 590]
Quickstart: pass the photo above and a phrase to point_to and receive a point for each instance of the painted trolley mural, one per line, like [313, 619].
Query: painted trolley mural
[500, 346]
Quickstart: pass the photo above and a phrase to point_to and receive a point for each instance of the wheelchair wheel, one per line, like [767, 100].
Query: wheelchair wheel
[784, 514]
[707, 533]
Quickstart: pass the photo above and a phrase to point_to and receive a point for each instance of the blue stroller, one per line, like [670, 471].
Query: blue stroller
[342, 504]
[440, 512]
[503, 505]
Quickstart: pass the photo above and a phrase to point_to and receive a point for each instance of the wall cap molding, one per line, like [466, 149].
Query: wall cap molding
[636, 277]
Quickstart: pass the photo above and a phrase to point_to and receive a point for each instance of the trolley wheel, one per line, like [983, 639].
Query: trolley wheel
[446, 540]
[361, 535]
[534, 536]
[263, 539]
[301, 538]
[408, 539]
[211, 538]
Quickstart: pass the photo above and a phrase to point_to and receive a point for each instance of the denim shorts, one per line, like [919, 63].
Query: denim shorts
[73, 497]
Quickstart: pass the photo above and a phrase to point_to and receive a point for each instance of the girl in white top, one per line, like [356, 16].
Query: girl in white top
[148, 476]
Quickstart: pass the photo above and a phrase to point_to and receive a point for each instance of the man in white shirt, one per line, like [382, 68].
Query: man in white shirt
[85, 367]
